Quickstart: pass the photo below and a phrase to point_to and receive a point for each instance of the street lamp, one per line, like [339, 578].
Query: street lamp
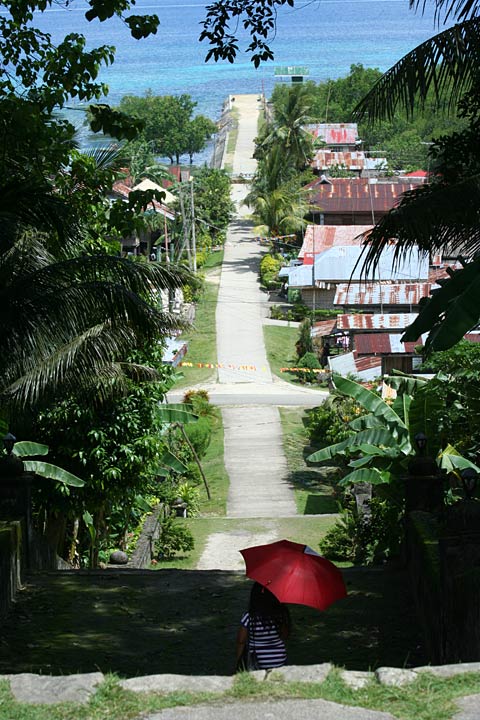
[469, 481]
[9, 441]
[421, 442]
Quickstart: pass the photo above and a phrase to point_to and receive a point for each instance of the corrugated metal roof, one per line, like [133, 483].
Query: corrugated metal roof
[334, 133]
[324, 159]
[381, 293]
[347, 364]
[342, 263]
[321, 237]
[357, 194]
[375, 321]
[383, 344]
[324, 327]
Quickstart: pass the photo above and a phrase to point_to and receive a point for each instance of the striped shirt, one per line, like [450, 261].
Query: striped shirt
[264, 639]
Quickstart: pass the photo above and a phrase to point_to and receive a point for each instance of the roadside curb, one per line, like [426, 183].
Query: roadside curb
[48, 689]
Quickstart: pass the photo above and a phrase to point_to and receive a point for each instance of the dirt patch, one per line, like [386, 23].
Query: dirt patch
[141, 622]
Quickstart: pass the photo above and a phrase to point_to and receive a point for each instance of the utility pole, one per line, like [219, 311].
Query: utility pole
[186, 240]
[194, 239]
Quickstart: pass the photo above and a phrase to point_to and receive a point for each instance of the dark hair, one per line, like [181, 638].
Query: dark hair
[265, 605]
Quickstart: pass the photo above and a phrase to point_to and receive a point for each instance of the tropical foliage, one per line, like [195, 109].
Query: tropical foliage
[441, 216]
[168, 123]
[373, 444]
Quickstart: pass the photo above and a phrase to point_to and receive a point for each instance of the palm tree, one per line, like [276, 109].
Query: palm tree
[442, 215]
[288, 128]
[68, 321]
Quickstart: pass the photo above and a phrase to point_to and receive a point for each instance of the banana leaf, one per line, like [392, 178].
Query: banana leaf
[374, 476]
[26, 448]
[53, 472]
[369, 400]
[451, 461]
[168, 462]
[426, 410]
[179, 413]
[373, 436]
[364, 422]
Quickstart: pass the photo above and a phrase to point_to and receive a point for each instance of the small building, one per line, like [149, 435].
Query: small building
[338, 137]
[381, 296]
[319, 238]
[295, 73]
[341, 264]
[354, 201]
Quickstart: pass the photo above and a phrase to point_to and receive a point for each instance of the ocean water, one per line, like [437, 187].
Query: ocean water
[327, 36]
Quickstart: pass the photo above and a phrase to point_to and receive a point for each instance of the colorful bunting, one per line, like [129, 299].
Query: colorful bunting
[248, 368]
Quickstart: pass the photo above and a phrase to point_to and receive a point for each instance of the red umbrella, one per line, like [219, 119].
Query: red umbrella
[295, 573]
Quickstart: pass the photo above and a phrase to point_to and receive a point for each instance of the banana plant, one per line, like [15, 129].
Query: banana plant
[26, 449]
[383, 441]
[177, 415]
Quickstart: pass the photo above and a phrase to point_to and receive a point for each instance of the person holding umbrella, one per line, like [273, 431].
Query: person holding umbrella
[284, 572]
[262, 633]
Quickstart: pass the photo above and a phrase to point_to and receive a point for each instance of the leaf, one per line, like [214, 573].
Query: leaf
[168, 462]
[167, 414]
[374, 476]
[366, 421]
[142, 504]
[26, 448]
[426, 409]
[369, 400]
[451, 460]
[373, 436]
[52, 472]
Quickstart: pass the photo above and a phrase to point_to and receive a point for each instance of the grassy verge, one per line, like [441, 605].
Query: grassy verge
[426, 699]
[214, 469]
[280, 347]
[314, 493]
[201, 338]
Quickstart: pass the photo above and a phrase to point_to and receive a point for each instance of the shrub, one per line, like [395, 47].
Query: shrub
[269, 269]
[328, 423]
[174, 538]
[309, 360]
[199, 433]
[191, 395]
[190, 496]
[305, 343]
[359, 538]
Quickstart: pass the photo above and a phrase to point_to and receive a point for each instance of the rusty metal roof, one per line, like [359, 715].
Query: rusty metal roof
[381, 293]
[357, 195]
[321, 237]
[375, 321]
[352, 160]
[334, 133]
[324, 327]
[383, 344]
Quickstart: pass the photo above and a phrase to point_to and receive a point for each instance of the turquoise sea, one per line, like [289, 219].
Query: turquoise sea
[327, 36]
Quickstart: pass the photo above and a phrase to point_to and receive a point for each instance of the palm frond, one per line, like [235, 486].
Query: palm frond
[430, 218]
[446, 9]
[447, 62]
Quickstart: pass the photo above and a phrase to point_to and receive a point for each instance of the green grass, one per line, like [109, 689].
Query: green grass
[428, 698]
[308, 530]
[201, 338]
[280, 347]
[214, 469]
[314, 493]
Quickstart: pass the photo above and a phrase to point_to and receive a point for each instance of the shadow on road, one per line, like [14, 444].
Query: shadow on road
[146, 622]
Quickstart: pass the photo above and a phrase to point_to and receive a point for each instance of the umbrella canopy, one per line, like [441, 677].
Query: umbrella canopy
[295, 573]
